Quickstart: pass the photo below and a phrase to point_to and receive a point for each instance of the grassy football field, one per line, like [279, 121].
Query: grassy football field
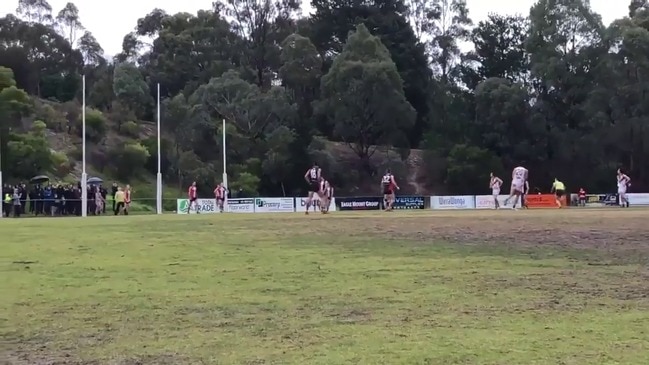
[453, 287]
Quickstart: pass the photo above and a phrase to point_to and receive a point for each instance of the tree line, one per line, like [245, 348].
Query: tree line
[555, 90]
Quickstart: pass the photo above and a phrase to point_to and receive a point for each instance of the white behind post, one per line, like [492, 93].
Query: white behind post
[159, 175]
[84, 176]
[225, 173]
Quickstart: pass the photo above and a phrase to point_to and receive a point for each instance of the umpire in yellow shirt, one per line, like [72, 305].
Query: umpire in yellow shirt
[119, 200]
[559, 189]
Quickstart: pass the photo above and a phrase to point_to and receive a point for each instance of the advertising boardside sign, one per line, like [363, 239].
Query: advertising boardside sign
[274, 205]
[541, 201]
[300, 204]
[487, 202]
[203, 206]
[360, 203]
[638, 199]
[409, 202]
[241, 205]
[453, 202]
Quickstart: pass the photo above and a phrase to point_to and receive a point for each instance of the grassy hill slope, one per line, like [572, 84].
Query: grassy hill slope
[64, 131]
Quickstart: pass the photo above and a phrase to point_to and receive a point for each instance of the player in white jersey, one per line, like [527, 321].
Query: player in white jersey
[519, 180]
[623, 182]
[312, 177]
[495, 183]
[327, 194]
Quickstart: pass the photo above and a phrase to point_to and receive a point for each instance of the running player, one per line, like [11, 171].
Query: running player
[193, 198]
[526, 191]
[312, 177]
[495, 183]
[219, 195]
[623, 181]
[519, 179]
[558, 188]
[327, 194]
[388, 184]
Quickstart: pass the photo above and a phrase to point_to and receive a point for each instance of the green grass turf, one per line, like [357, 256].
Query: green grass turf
[289, 289]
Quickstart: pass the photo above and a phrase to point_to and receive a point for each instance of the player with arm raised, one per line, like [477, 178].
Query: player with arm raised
[519, 179]
[495, 183]
[313, 178]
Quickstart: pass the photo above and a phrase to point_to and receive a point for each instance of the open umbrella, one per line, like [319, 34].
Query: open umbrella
[95, 180]
[39, 179]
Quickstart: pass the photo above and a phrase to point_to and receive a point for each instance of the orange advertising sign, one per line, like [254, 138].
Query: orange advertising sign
[541, 201]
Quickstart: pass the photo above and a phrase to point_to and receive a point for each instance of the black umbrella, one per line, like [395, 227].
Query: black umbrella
[39, 179]
[95, 180]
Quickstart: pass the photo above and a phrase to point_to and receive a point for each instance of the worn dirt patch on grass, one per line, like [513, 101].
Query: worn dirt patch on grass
[44, 356]
[619, 233]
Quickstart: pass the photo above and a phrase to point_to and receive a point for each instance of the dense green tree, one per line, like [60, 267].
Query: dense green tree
[554, 90]
[44, 63]
[467, 167]
[565, 44]
[130, 88]
[14, 103]
[187, 50]
[37, 11]
[499, 50]
[259, 123]
[334, 19]
[68, 22]
[92, 52]
[362, 95]
[261, 24]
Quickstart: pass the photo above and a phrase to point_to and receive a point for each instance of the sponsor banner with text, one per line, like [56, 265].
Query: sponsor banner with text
[453, 202]
[241, 205]
[638, 199]
[487, 202]
[274, 205]
[360, 203]
[595, 200]
[204, 206]
[541, 201]
[300, 204]
[409, 202]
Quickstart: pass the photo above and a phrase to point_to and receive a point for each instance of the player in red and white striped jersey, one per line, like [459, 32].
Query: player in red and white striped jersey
[192, 195]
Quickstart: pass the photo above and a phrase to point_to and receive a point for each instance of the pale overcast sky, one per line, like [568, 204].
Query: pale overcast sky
[109, 22]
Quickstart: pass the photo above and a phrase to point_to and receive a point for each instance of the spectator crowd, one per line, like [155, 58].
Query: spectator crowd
[61, 200]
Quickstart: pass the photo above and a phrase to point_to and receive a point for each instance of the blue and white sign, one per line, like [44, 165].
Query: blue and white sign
[453, 202]
[408, 202]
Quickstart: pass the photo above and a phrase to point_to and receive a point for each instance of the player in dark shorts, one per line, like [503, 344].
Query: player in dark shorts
[389, 185]
[559, 190]
[313, 178]
[192, 196]
[526, 190]
[219, 195]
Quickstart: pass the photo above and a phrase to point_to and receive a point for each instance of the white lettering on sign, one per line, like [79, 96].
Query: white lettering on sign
[358, 204]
